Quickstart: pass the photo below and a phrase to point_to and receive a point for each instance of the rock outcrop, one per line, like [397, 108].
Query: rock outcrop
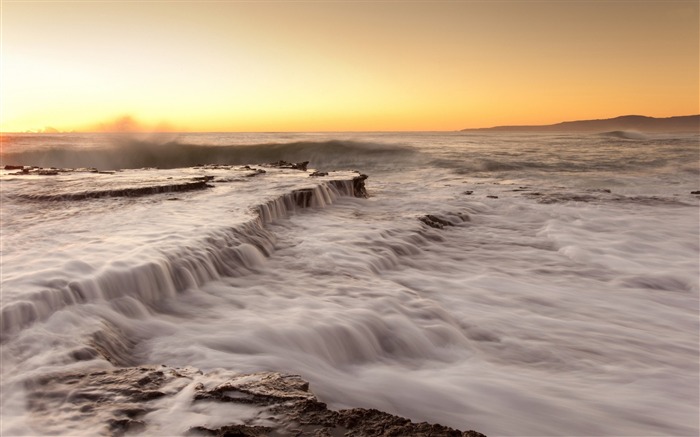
[291, 165]
[124, 401]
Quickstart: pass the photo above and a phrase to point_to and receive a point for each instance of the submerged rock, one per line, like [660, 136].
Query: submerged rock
[435, 221]
[439, 222]
[256, 171]
[126, 401]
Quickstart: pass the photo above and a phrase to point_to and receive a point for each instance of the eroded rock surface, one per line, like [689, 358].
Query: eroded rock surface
[134, 400]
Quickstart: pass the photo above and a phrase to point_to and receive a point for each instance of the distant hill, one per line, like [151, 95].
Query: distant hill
[686, 123]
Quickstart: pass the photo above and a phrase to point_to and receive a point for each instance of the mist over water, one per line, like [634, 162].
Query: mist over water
[561, 298]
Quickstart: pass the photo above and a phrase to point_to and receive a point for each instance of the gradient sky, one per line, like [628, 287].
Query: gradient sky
[344, 65]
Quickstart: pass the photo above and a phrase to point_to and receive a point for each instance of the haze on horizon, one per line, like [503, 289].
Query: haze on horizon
[343, 66]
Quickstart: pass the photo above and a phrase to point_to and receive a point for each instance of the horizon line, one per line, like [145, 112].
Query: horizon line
[58, 132]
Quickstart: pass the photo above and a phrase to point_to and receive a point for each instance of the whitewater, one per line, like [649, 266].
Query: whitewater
[514, 284]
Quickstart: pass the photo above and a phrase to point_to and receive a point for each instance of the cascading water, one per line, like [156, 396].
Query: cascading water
[513, 284]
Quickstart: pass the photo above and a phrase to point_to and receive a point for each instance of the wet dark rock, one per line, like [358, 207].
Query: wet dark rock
[288, 397]
[358, 185]
[565, 197]
[230, 431]
[440, 221]
[14, 167]
[319, 173]
[492, 197]
[119, 401]
[293, 165]
[316, 419]
[126, 192]
[434, 221]
[695, 192]
[468, 192]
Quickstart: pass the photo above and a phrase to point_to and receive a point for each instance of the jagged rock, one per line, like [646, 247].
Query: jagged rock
[293, 165]
[117, 402]
[14, 167]
[358, 185]
[317, 419]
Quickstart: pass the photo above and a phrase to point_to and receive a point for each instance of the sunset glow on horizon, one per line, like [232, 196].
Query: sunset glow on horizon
[343, 66]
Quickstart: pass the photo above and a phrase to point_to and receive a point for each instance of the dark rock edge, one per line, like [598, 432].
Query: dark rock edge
[122, 397]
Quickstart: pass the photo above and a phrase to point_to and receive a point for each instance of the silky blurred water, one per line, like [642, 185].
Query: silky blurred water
[562, 300]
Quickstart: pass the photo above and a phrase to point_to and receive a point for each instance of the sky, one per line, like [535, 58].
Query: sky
[218, 66]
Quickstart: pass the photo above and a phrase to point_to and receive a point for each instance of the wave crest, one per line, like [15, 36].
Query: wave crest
[134, 153]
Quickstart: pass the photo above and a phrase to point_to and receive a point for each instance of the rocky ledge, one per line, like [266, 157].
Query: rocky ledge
[136, 400]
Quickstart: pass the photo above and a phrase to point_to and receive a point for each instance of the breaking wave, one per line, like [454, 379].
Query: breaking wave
[134, 153]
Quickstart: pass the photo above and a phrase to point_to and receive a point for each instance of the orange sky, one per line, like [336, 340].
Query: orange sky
[354, 65]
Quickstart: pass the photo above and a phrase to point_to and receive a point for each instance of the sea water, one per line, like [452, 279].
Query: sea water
[556, 294]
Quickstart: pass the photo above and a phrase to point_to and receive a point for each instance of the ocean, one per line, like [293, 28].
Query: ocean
[519, 284]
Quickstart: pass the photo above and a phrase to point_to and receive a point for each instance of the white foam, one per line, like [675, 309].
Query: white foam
[574, 316]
